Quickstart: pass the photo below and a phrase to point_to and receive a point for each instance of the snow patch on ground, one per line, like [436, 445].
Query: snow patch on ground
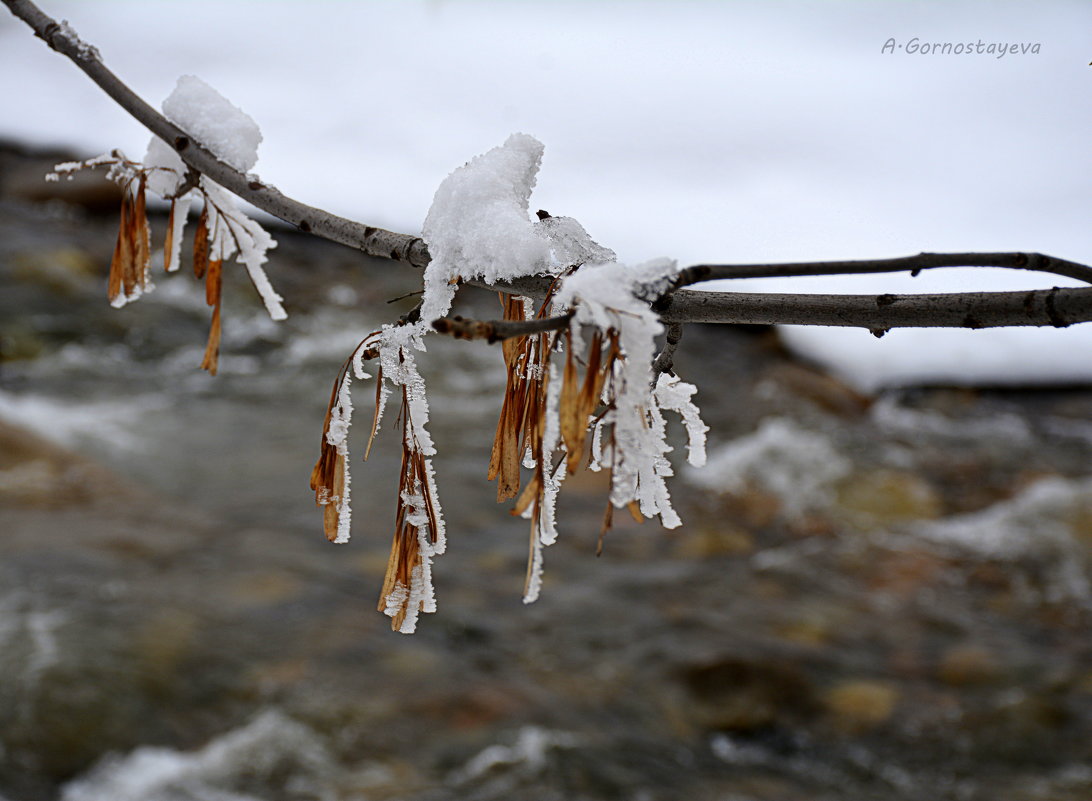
[271, 745]
[798, 466]
[70, 424]
[528, 754]
[1039, 522]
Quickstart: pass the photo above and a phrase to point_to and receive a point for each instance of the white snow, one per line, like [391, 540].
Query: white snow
[675, 395]
[272, 745]
[1038, 519]
[235, 234]
[28, 638]
[110, 423]
[178, 228]
[165, 169]
[1037, 523]
[527, 754]
[225, 129]
[478, 225]
[337, 435]
[86, 51]
[233, 136]
[798, 466]
[570, 244]
[605, 296]
[211, 119]
[545, 526]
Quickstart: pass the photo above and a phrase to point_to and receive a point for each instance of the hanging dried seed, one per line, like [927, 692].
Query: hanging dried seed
[201, 246]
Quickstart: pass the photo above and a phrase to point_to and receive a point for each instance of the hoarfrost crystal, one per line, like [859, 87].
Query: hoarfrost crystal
[570, 244]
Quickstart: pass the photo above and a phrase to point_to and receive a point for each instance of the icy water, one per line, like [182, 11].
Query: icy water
[871, 598]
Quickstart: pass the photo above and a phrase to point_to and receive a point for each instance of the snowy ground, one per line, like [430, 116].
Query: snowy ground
[704, 132]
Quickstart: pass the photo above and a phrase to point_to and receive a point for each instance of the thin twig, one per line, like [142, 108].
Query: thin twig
[1036, 262]
[407, 295]
[665, 360]
[1057, 307]
[497, 330]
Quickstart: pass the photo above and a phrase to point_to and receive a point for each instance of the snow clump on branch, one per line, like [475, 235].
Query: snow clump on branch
[232, 136]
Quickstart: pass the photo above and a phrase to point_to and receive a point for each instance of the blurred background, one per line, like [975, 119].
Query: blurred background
[881, 589]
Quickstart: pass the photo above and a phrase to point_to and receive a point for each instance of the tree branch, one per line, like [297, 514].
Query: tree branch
[1041, 307]
[1053, 307]
[915, 264]
[496, 330]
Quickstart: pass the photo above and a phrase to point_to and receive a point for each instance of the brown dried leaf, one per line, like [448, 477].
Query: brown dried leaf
[531, 555]
[330, 513]
[512, 346]
[168, 242]
[328, 474]
[507, 448]
[635, 511]
[375, 416]
[532, 492]
[142, 233]
[201, 246]
[395, 562]
[405, 554]
[593, 378]
[213, 281]
[212, 349]
[121, 252]
[330, 517]
[608, 521]
[128, 276]
[504, 459]
[574, 422]
[496, 455]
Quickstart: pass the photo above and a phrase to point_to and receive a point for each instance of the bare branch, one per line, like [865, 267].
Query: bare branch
[496, 330]
[1041, 307]
[923, 261]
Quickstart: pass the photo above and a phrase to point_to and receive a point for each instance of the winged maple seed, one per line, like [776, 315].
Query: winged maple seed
[545, 414]
[129, 267]
[407, 585]
[210, 270]
[168, 239]
[329, 475]
[222, 230]
[504, 461]
[419, 528]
